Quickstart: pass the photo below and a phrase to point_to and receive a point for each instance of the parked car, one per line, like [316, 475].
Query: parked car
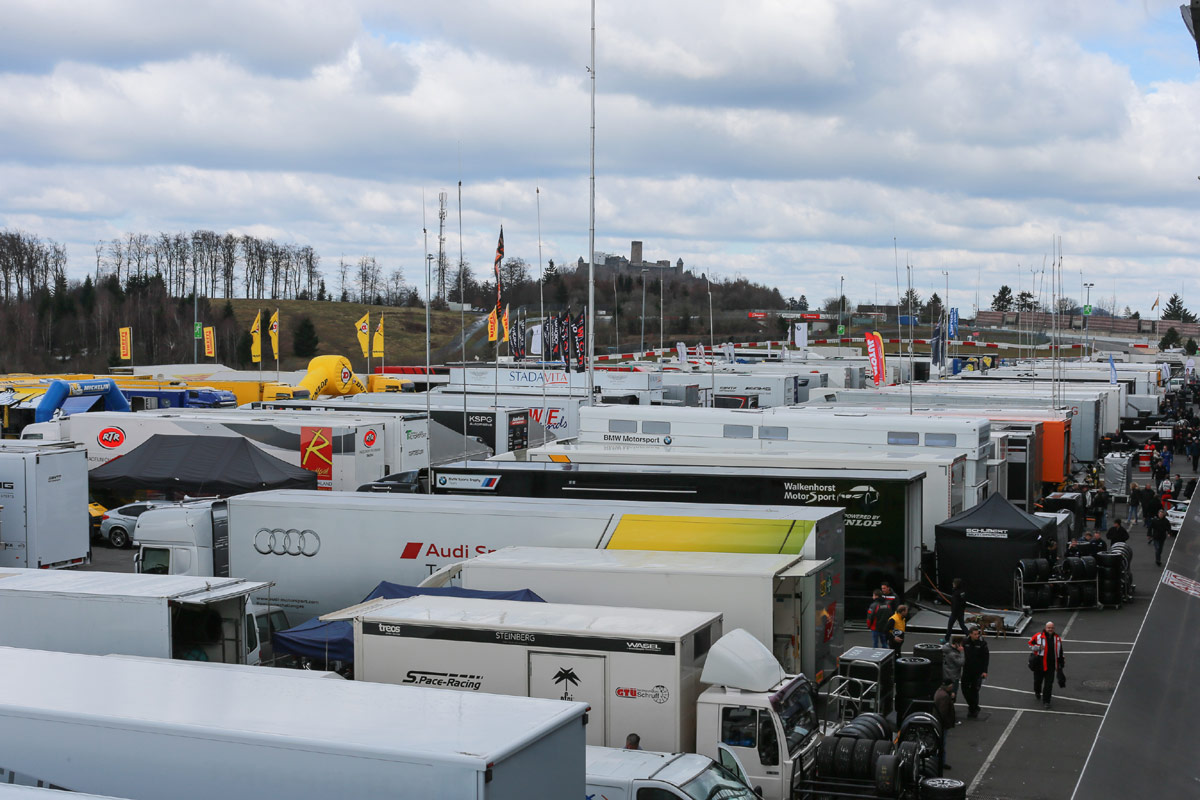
[116, 525]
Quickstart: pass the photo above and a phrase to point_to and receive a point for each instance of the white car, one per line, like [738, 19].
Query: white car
[1176, 513]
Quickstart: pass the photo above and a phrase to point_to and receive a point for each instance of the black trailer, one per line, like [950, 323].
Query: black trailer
[883, 508]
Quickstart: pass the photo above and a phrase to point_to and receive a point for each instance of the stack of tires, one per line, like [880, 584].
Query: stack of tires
[853, 752]
[1033, 573]
[913, 763]
[914, 677]
[1082, 592]
[1113, 569]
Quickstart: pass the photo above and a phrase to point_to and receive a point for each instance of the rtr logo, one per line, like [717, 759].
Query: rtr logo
[111, 437]
[369, 438]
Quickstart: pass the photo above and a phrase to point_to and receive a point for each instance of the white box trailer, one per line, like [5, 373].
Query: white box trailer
[772, 390]
[327, 550]
[146, 730]
[43, 505]
[163, 616]
[343, 453]
[777, 599]
[944, 493]
[558, 414]
[600, 655]
[647, 387]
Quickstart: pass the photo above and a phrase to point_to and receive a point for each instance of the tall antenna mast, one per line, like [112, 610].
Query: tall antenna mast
[442, 267]
[591, 319]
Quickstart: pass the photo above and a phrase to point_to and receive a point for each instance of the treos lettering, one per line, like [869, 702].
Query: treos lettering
[290, 542]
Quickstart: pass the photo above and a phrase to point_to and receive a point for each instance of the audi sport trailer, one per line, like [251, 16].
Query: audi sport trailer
[149, 730]
[43, 505]
[342, 452]
[326, 550]
[779, 600]
[501, 427]
[164, 616]
[883, 508]
[640, 670]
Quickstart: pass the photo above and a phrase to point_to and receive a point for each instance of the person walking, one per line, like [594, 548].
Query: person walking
[952, 661]
[1160, 528]
[1177, 487]
[1168, 456]
[895, 630]
[1151, 505]
[1100, 502]
[877, 617]
[1046, 659]
[1118, 533]
[958, 609]
[1190, 489]
[1133, 513]
[975, 668]
[943, 706]
[1193, 450]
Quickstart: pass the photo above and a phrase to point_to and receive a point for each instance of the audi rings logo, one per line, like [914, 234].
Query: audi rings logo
[292, 542]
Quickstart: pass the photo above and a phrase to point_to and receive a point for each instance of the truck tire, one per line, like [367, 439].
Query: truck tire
[887, 776]
[843, 757]
[118, 538]
[943, 789]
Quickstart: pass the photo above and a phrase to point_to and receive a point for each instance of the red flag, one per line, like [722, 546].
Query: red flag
[875, 355]
[499, 258]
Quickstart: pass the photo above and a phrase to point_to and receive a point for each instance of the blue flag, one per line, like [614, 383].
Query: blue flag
[953, 324]
[1112, 370]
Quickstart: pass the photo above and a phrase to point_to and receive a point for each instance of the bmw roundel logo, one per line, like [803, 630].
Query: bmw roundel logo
[441, 480]
[666, 440]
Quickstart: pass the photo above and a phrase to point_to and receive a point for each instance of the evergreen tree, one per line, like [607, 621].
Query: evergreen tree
[1025, 301]
[802, 303]
[1003, 299]
[304, 339]
[1170, 339]
[1190, 347]
[1175, 310]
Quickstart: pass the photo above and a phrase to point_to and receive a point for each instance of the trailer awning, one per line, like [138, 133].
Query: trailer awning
[78, 405]
[805, 567]
[224, 591]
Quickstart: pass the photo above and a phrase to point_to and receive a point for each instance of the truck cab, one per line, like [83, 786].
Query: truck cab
[756, 712]
[645, 775]
[177, 539]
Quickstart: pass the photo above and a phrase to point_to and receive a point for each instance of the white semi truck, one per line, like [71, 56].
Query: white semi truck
[775, 598]
[344, 453]
[325, 551]
[43, 505]
[148, 730]
[645, 671]
[175, 616]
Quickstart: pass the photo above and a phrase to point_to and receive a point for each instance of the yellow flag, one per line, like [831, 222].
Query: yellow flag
[493, 323]
[126, 344]
[363, 329]
[377, 339]
[273, 332]
[210, 342]
[506, 322]
[256, 339]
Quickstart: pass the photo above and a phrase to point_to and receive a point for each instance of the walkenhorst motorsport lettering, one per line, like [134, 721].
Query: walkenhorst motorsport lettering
[547, 640]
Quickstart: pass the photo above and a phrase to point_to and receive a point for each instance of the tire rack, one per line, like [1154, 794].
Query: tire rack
[1019, 584]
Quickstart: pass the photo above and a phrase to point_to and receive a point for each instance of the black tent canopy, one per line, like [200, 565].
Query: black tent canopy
[222, 465]
[982, 545]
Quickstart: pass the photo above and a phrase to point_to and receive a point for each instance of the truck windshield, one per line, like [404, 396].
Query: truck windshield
[717, 783]
[796, 713]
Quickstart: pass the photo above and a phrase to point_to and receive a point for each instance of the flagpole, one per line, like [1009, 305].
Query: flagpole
[462, 315]
[591, 332]
[277, 345]
[428, 411]
[542, 303]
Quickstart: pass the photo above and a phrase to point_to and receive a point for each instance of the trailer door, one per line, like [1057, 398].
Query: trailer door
[567, 676]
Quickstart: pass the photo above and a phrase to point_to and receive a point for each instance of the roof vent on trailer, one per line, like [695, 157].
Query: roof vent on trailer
[740, 661]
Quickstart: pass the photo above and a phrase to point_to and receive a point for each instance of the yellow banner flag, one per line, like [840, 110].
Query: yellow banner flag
[377, 339]
[493, 323]
[210, 343]
[273, 332]
[256, 339]
[506, 322]
[126, 344]
[363, 329]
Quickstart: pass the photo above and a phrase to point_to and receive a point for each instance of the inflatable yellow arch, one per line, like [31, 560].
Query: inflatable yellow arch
[331, 376]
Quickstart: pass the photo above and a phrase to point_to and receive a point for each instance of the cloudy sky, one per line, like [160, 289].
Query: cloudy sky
[793, 142]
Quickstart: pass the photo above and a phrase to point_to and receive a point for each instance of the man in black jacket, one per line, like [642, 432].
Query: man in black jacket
[943, 707]
[958, 609]
[975, 669]
[1160, 528]
[1117, 532]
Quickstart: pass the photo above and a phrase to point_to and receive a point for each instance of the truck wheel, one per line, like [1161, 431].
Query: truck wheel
[118, 538]
[943, 789]
[887, 776]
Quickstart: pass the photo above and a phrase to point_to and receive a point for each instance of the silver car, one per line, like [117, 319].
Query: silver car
[116, 526]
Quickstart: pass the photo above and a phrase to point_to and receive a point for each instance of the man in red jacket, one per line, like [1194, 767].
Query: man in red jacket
[1046, 660]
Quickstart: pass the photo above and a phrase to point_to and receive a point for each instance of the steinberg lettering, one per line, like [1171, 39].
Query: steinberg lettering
[508, 636]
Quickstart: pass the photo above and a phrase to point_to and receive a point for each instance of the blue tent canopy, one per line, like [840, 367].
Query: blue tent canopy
[334, 640]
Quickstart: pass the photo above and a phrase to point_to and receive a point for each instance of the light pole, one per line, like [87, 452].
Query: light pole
[643, 346]
[1087, 312]
[945, 315]
[661, 318]
[616, 320]
[841, 306]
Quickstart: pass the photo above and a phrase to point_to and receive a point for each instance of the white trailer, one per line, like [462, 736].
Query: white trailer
[326, 550]
[43, 505]
[163, 616]
[647, 387]
[599, 655]
[772, 390]
[777, 599]
[146, 730]
[345, 454]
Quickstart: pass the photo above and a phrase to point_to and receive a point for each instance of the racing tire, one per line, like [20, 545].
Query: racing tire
[1044, 596]
[118, 538]
[914, 690]
[917, 720]
[883, 721]
[1089, 567]
[912, 669]
[878, 751]
[1043, 569]
[862, 762]
[1087, 595]
[887, 776]
[943, 789]
[1074, 595]
[1028, 568]
[843, 757]
[825, 756]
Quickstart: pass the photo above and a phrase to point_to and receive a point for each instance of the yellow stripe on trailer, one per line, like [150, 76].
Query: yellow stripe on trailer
[710, 534]
[560, 459]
